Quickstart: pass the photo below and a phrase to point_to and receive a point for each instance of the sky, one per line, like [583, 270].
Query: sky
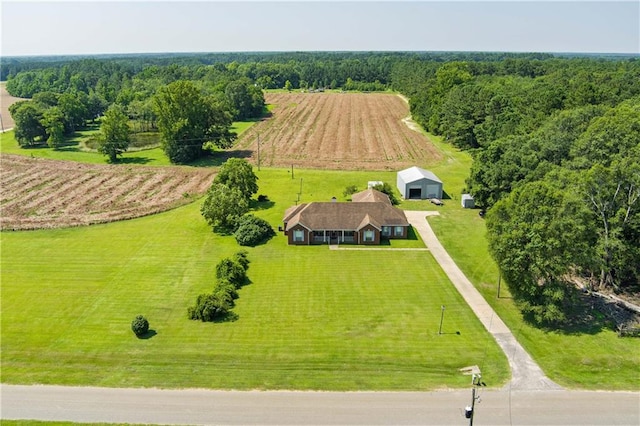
[99, 27]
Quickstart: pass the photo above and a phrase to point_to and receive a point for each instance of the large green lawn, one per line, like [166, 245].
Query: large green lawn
[311, 318]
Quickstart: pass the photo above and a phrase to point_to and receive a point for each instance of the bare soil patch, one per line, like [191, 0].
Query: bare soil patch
[6, 100]
[40, 193]
[355, 131]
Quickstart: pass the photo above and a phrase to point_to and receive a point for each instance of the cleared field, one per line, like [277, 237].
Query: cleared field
[345, 131]
[39, 193]
[6, 100]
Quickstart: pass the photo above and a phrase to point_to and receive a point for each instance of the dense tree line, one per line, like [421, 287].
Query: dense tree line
[50, 116]
[556, 147]
[314, 65]
[192, 107]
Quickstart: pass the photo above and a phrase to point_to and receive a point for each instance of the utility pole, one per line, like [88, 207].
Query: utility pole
[499, 279]
[474, 371]
[441, 318]
[300, 186]
[469, 409]
[292, 171]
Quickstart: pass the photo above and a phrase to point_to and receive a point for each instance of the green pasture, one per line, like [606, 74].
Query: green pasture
[310, 319]
[73, 150]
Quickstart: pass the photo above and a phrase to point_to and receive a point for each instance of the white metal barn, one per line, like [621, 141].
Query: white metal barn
[418, 184]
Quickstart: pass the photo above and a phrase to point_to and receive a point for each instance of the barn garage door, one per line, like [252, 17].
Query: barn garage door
[433, 191]
[415, 193]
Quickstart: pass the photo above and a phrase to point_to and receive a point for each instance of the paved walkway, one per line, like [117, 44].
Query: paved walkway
[525, 373]
[338, 247]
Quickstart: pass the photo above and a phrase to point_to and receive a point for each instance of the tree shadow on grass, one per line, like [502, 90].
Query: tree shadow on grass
[583, 315]
[217, 158]
[148, 335]
[261, 205]
[245, 282]
[228, 317]
[71, 146]
[133, 160]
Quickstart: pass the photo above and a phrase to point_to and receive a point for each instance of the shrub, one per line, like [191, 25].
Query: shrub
[140, 326]
[230, 276]
[253, 230]
[227, 287]
[262, 198]
[349, 190]
[241, 258]
[385, 188]
[211, 307]
[229, 270]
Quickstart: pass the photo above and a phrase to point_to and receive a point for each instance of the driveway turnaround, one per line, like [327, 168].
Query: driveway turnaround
[525, 373]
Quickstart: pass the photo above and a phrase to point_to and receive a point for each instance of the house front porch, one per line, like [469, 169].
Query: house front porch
[334, 237]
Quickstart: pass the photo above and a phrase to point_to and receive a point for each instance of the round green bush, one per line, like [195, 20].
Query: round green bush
[253, 230]
[140, 325]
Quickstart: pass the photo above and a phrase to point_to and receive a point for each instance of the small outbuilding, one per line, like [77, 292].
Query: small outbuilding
[467, 201]
[418, 184]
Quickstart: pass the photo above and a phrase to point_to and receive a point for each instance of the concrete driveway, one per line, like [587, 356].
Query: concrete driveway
[525, 373]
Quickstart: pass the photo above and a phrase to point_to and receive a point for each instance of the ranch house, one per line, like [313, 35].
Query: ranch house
[367, 219]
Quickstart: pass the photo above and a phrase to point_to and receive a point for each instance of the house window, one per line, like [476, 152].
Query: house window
[398, 231]
[368, 235]
[298, 235]
[386, 231]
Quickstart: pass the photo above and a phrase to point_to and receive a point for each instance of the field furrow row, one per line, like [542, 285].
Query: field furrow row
[339, 131]
[51, 194]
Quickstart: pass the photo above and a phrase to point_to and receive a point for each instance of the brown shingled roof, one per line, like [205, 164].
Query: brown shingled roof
[370, 195]
[344, 216]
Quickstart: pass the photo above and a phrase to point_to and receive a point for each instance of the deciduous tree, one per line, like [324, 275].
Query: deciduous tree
[187, 120]
[237, 173]
[114, 133]
[223, 207]
[27, 116]
[385, 188]
[538, 235]
[53, 122]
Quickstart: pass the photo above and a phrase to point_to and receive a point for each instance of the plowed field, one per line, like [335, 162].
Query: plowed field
[40, 193]
[338, 131]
